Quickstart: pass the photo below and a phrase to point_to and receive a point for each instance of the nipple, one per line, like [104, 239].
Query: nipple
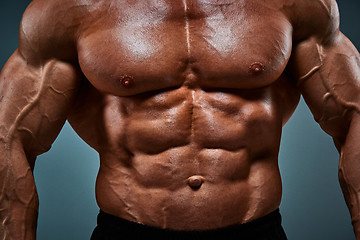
[195, 182]
[256, 67]
[127, 81]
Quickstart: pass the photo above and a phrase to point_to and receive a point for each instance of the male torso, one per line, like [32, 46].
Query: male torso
[184, 100]
[185, 105]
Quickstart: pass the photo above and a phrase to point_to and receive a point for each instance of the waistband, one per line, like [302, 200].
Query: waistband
[117, 226]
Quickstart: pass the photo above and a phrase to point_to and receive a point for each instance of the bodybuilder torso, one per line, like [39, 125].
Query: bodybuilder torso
[185, 106]
[184, 100]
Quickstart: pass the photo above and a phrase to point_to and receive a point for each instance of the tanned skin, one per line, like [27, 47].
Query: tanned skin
[184, 100]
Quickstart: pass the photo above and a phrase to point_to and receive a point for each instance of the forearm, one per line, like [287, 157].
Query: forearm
[349, 172]
[18, 196]
[352, 197]
[18, 222]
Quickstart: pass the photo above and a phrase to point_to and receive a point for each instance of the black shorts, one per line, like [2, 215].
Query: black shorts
[114, 228]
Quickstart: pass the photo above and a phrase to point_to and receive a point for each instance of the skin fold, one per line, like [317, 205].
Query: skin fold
[183, 100]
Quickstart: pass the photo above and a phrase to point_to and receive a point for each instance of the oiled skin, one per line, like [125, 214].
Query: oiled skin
[183, 99]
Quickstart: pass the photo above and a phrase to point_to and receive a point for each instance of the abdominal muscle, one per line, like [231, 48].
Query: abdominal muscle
[190, 159]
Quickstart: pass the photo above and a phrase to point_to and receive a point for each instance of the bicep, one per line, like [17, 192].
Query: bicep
[34, 101]
[329, 78]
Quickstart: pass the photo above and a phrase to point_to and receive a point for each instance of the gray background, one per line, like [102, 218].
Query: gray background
[313, 207]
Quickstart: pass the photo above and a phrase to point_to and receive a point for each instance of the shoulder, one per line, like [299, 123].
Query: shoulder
[49, 28]
[315, 18]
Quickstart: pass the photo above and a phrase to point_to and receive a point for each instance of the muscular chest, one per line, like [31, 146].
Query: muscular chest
[151, 45]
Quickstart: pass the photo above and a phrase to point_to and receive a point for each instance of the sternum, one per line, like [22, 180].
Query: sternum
[190, 73]
[187, 29]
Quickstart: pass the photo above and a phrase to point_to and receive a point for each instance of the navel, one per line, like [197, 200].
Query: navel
[256, 67]
[195, 182]
[127, 81]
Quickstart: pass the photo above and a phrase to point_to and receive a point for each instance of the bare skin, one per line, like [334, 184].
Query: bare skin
[184, 101]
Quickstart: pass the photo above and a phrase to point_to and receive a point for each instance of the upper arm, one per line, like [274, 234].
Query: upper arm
[326, 67]
[37, 86]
